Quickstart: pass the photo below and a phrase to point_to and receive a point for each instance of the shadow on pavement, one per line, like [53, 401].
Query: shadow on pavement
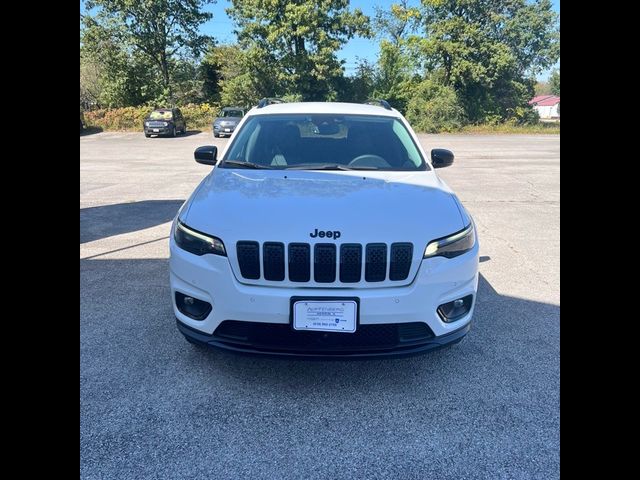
[108, 220]
[188, 133]
[90, 131]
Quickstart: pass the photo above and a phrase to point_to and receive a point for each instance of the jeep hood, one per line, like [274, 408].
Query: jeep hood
[288, 205]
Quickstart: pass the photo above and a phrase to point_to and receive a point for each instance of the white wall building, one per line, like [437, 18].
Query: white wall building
[547, 106]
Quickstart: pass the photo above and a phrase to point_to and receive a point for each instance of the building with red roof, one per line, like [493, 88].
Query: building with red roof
[547, 106]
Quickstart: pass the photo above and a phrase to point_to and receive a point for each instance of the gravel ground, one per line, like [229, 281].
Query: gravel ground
[153, 406]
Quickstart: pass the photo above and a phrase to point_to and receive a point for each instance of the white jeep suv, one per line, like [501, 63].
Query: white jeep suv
[323, 230]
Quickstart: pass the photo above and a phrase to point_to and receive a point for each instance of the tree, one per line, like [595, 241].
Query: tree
[542, 88]
[90, 86]
[362, 83]
[111, 74]
[210, 72]
[291, 45]
[396, 66]
[434, 107]
[240, 77]
[358, 87]
[554, 82]
[488, 50]
[397, 22]
[188, 83]
[158, 29]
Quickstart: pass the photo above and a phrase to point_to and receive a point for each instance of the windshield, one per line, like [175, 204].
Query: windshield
[326, 142]
[231, 113]
[161, 115]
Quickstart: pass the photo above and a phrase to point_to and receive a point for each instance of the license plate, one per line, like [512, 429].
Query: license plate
[156, 129]
[325, 316]
[227, 129]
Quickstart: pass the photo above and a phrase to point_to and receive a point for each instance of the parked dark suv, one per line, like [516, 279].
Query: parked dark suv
[164, 121]
[227, 121]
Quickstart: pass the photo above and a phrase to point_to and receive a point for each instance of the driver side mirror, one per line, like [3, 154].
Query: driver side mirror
[206, 155]
[441, 157]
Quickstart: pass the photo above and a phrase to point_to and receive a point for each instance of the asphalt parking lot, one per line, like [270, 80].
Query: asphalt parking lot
[153, 406]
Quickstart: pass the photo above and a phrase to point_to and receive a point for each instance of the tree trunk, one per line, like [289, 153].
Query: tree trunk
[164, 68]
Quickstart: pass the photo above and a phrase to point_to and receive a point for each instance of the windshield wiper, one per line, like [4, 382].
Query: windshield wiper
[241, 164]
[329, 166]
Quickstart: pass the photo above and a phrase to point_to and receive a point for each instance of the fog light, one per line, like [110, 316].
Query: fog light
[456, 309]
[192, 307]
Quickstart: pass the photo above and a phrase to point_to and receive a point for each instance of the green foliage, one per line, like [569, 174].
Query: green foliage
[188, 83]
[434, 107]
[488, 50]
[357, 88]
[155, 29]
[397, 72]
[291, 46]
[549, 128]
[210, 74]
[131, 118]
[244, 77]
[542, 88]
[554, 82]
[446, 64]
[523, 116]
[110, 74]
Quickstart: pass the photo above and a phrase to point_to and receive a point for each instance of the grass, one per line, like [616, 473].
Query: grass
[542, 127]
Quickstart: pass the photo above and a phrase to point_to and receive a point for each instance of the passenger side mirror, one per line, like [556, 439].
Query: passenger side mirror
[206, 155]
[441, 157]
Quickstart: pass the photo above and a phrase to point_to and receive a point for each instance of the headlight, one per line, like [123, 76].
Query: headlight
[453, 245]
[164, 124]
[146, 124]
[196, 242]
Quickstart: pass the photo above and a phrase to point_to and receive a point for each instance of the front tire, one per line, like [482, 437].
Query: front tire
[217, 135]
[173, 132]
[147, 135]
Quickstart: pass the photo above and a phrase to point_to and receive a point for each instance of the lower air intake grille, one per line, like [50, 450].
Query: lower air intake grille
[270, 336]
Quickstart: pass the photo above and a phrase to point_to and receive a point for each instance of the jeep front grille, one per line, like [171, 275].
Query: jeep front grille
[275, 262]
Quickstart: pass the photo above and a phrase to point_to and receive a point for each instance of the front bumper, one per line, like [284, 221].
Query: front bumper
[161, 130]
[210, 278]
[224, 130]
[318, 345]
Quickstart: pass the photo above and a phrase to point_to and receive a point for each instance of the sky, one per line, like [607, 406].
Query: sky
[221, 28]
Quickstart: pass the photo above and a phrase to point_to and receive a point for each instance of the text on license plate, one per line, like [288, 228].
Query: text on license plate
[325, 316]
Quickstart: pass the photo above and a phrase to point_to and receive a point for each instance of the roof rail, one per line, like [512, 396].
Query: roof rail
[380, 102]
[268, 101]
